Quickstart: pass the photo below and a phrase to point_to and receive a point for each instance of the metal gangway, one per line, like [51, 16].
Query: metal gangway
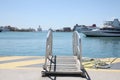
[64, 65]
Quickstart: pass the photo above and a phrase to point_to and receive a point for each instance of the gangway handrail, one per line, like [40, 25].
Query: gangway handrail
[50, 65]
[77, 51]
[48, 48]
[77, 47]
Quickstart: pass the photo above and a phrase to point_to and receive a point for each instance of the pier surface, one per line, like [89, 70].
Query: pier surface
[30, 67]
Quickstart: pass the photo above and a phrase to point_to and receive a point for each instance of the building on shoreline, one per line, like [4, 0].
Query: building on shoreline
[5, 28]
[65, 29]
[39, 29]
[15, 29]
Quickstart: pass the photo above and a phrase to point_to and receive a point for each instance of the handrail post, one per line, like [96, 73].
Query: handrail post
[77, 47]
[48, 47]
[74, 44]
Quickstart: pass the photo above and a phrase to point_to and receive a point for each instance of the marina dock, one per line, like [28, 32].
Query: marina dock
[53, 67]
[30, 67]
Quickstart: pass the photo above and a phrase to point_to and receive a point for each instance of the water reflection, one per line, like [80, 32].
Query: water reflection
[101, 46]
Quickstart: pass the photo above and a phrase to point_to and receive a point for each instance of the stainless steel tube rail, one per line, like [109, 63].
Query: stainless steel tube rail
[48, 48]
[77, 47]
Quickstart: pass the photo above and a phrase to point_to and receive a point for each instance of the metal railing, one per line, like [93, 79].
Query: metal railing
[49, 60]
[48, 48]
[77, 47]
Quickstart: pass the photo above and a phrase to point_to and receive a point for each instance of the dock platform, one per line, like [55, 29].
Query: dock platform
[31, 66]
[55, 67]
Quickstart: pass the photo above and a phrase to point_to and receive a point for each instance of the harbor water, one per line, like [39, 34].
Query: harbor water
[34, 44]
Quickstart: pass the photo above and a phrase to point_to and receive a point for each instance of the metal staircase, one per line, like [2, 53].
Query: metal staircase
[64, 65]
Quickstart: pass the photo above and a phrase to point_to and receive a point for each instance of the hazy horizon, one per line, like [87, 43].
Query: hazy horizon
[57, 14]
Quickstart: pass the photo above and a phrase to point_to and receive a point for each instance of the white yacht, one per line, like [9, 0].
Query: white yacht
[111, 32]
[111, 29]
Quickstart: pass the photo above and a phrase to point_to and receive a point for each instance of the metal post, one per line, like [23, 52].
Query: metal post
[48, 48]
[77, 47]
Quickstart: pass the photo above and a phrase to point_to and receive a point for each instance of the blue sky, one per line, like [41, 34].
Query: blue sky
[57, 13]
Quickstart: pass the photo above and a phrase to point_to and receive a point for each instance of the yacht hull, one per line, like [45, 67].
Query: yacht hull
[101, 34]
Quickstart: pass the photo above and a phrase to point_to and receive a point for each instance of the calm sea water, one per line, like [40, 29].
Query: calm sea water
[33, 44]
